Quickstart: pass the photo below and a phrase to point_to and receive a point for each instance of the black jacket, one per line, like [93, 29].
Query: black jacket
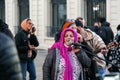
[106, 33]
[21, 40]
[9, 62]
[34, 41]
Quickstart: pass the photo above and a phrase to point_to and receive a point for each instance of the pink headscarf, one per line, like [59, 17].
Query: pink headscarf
[64, 52]
[24, 23]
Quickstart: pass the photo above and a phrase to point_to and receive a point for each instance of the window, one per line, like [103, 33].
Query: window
[23, 9]
[95, 10]
[58, 16]
[2, 10]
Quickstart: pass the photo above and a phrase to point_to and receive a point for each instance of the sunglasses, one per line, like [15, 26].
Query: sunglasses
[30, 23]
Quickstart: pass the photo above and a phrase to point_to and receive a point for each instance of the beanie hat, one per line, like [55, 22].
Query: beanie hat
[78, 23]
[67, 24]
[102, 19]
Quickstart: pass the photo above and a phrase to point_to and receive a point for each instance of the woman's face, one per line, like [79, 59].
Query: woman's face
[68, 36]
[29, 24]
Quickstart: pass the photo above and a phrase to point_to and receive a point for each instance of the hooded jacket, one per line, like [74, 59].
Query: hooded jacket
[106, 33]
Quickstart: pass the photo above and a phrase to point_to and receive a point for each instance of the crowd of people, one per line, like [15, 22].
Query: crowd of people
[94, 43]
[78, 52]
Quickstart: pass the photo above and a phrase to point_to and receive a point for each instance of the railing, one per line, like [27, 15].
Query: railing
[52, 30]
[95, 10]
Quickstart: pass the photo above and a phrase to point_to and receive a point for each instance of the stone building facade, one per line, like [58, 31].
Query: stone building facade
[41, 14]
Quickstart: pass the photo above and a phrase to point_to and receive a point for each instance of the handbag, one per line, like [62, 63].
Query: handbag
[34, 54]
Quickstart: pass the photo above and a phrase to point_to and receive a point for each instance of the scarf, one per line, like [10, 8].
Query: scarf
[24, 23]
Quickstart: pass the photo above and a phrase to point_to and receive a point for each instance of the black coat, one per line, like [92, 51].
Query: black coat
[21, 40]
[34, 41]
[106, 33]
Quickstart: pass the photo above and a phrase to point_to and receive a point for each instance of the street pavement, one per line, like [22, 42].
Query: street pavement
[39, 63]
[39, 60]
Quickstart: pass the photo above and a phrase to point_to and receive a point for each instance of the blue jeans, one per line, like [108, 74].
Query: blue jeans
[102, 72]
[24, 69]
[31, 69]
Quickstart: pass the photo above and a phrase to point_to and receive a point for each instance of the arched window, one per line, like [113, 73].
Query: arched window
[23, 9]
[95, 10]
[2, 10]
[58, 16]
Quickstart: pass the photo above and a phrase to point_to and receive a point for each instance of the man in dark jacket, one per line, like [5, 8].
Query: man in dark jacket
[105, 31]
[26, 42]
[9, 62]
[5, 29]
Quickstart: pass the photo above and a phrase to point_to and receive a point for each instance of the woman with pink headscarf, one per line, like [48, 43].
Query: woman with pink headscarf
[26, 43]
[64, 61]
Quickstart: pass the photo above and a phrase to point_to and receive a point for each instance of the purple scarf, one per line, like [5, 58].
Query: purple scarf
[68, 75]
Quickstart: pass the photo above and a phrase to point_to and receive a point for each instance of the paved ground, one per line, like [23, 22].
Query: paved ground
[39, 63]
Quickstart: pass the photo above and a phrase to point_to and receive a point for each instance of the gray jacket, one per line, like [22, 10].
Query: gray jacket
[51, 63]
[9, 62]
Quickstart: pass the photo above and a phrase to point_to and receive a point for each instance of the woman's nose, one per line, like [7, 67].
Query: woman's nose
[69, 37]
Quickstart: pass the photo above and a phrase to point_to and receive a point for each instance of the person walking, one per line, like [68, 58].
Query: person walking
[65, 62]
[26, 42]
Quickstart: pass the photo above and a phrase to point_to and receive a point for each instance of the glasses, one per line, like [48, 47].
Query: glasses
[30, 23]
